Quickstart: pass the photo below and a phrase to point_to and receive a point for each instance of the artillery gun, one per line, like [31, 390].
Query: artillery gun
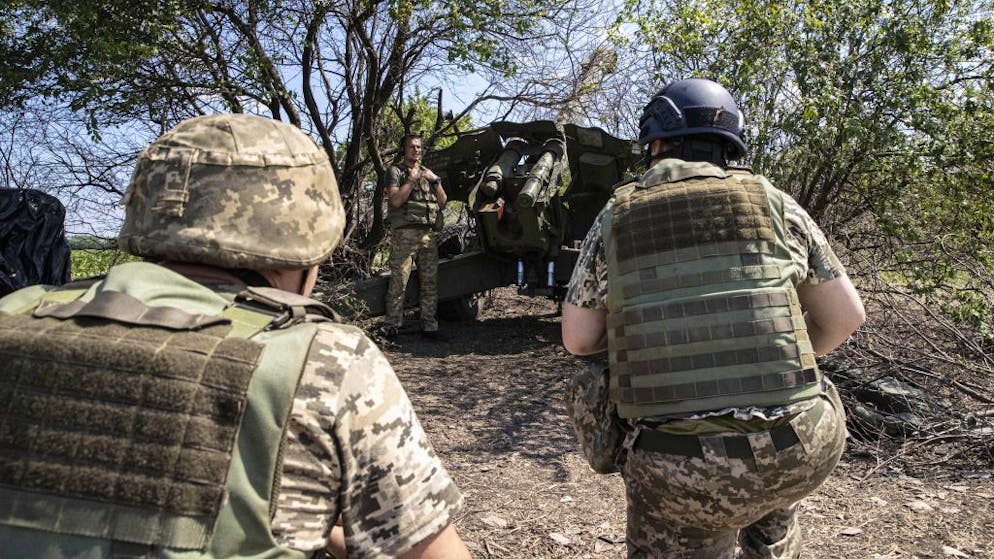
[531, 192]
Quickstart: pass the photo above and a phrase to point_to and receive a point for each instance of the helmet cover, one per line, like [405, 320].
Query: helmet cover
[235, 191]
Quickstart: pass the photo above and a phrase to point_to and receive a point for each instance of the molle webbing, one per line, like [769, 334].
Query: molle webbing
[693, 214]
[696, 333]
[702, 313]
[742, 269]
[139, 418]
[714, 388]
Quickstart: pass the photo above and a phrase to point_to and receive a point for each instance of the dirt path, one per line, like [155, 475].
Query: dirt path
[491, 400]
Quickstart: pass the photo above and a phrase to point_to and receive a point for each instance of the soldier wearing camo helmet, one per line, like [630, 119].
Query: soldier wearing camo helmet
[712, 292]
[202, 405]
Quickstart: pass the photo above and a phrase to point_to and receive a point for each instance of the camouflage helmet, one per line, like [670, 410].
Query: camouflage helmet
[235, 191]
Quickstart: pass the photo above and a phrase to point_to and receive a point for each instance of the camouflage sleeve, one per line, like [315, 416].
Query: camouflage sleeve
[588, 285]
[356, 448]
[809, 247]
[395, 176]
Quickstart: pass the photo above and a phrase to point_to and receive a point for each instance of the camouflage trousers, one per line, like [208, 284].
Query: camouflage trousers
[413, 245]
[688, 507]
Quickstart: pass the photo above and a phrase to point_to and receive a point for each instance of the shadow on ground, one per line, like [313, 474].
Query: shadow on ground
[499, 382]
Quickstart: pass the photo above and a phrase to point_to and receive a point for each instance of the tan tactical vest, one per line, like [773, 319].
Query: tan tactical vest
[146, 430]
[702, 310]
[421, 207]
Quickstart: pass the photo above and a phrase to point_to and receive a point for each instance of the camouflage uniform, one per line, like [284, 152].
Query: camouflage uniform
[412, 243]
[355, 447]
[241, 192]
[693, 506]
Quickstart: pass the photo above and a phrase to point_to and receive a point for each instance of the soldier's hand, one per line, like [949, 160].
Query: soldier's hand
[429, 174]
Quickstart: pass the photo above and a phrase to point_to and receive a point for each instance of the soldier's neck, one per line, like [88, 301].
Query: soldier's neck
[205, 274]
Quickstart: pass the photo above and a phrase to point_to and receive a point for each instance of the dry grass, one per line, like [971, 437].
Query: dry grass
[491, 400]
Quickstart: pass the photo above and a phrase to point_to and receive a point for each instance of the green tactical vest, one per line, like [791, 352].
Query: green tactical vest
[146, 417]
[702, 310]
[421, 207]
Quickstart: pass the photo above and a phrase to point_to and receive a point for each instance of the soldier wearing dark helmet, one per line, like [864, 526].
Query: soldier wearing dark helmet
[712, 293]
[199, 404]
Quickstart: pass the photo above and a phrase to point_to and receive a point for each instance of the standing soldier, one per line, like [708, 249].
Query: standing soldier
[712, 293]
[203, 405]
[416, 200]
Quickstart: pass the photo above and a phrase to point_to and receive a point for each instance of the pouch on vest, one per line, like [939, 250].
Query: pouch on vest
[595, 418]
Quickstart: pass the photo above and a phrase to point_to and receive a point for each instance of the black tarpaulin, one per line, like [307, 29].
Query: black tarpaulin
[33, 242]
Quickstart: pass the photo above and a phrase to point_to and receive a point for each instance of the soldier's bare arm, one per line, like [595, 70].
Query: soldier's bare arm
[584, 329]
[443, 545]
[585, 308]
[446, 544]
[437, 189]
[833, 311]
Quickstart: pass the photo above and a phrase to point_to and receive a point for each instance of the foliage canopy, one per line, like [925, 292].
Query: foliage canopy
[875, 116]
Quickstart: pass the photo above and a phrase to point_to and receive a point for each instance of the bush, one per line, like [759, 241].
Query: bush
[95, 262]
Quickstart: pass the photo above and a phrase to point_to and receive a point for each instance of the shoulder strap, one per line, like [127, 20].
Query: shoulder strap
[253, 310]
[121, 307]
[66, 304]
[284, 307]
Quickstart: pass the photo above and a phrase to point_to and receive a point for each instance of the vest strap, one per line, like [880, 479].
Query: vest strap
[747, 251]
[731, 358]
[625, 394]
[284, 307]
[246, 322]
[700, 279]
[121, 307]
[102, 520]
[696, 334]
[710, 305]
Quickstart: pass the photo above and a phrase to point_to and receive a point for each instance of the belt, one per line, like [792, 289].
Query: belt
[736, 445]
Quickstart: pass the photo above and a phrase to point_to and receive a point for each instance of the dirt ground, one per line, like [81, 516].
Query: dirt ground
[491, 399]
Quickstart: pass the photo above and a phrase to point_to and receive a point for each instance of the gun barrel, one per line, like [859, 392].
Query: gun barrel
[541, 173]
[503, 167]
